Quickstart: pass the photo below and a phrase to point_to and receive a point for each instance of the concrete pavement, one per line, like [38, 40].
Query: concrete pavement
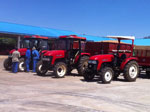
[27, 92]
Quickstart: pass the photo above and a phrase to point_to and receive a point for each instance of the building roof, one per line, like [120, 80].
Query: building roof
[122, 37]
[18, 29]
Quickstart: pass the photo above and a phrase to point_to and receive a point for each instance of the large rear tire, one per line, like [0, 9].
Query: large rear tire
[21, 66]
[131, 71]
[60, 69]
[82, 65]
[7, 64]
[88, 75]
[107, 74]
[40, 69]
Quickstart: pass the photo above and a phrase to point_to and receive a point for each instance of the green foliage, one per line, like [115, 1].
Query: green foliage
[7, 41]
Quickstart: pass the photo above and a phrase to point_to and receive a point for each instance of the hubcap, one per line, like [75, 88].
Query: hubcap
[41, 69]
[21, 66]
[108, 76]
[133, 71]
[61, 70]
[85, 65]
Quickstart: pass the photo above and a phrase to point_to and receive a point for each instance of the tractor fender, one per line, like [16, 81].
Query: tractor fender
[126, 61]
[22, 51]
[82, 54]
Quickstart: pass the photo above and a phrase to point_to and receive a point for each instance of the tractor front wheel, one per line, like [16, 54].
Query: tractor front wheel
[107, 74]
[60, 69]
[131, 71]
[40, 69]
[21, 66]
[7, 64]
[88, 75]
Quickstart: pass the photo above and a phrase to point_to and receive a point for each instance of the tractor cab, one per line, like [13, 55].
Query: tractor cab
[39, 42]
[73, 45]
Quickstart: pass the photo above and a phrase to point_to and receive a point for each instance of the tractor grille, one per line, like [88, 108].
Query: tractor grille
[92, 66]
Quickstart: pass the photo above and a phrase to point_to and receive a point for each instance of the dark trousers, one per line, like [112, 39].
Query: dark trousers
[34, 64]
[15, 67]
[27, 65]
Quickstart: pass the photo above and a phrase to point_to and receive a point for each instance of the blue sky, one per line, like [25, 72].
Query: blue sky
[91, 17]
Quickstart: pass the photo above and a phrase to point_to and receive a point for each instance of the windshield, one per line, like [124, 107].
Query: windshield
[26, 43]
[38, 43]
[60, 44]
[44, 45]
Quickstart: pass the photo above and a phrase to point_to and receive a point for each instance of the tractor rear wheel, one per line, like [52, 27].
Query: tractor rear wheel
[60, 69]
[88, 75]
[107, 74]
[40, 69]
[21, 66]
[7, 64]
[131, 71]
[82, 65]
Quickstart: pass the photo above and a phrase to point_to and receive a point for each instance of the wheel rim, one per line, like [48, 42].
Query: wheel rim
[133, 71]
[85, 65]
[41, 69]
[61, 71]
[21, 66]
[108, 76]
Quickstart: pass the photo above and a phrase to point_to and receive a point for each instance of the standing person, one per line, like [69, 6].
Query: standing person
[28, 58]
[15, 60]
[36, 56]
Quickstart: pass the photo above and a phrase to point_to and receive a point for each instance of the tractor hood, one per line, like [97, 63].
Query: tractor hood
[60, 53]
[21, 50]
[102, 57]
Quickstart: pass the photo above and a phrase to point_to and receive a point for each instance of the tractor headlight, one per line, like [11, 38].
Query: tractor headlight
[92, 62]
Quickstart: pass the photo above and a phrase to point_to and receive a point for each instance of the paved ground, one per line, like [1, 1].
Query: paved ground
[27, 92]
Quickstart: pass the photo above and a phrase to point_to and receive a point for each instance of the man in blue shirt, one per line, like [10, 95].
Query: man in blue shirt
[36, 57]
[28, 58]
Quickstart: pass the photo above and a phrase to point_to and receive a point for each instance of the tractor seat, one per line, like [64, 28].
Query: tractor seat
[123, 57]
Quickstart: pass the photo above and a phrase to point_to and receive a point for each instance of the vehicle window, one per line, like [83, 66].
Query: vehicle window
[44, 45]
[26, 44]
[35, 43]
[76, 45]
[83, 45]
[60, 45]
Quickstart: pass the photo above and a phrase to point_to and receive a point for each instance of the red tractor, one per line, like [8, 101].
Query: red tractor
[69, 54]
[41, 43]
[108, 66]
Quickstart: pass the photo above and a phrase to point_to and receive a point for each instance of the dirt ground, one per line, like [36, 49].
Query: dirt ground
[27, 92]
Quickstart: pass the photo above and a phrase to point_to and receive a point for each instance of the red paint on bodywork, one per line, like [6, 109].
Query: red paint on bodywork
[56, 54]
[73, 36]
[126, 61]
[21, 50]
[102, 59]
[36, 36]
